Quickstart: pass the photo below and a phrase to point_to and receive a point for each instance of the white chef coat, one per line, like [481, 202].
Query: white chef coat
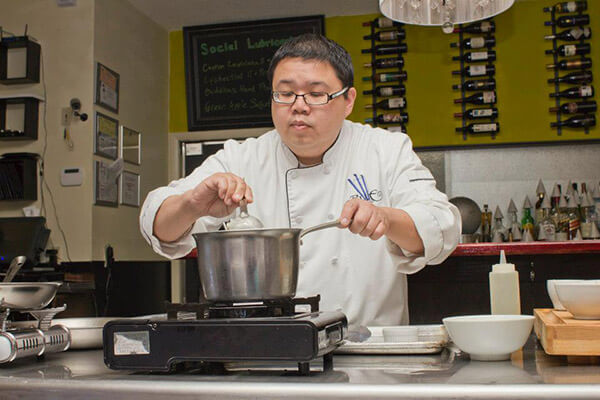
[364, 278]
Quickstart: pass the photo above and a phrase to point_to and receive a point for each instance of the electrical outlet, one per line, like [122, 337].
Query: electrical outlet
[66, 115]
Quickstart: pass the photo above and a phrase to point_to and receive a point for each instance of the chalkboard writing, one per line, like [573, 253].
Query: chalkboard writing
[226, 70]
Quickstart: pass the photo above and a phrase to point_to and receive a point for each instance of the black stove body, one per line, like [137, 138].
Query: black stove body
[218, 333]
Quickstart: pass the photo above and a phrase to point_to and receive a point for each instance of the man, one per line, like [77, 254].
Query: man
[315, 167]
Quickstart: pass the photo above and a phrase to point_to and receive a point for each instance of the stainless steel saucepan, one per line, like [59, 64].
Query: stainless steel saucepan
[251, 265]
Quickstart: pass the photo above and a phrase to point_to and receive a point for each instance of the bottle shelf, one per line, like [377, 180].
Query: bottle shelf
[527, 248]
[570, 53]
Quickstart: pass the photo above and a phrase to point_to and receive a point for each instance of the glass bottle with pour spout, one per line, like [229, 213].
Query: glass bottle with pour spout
[499, 233]
[515, 226]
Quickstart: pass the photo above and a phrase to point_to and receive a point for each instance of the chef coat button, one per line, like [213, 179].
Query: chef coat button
[334, 261]
[298, 220]
[326, 170]
[330, 217]
[293, 174]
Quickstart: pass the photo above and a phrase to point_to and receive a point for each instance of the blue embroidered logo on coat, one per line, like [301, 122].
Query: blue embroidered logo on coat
[360, 186]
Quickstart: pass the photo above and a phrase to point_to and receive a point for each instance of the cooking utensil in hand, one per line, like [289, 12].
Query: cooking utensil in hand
[244, 220]
[14, 267]
[251, 264]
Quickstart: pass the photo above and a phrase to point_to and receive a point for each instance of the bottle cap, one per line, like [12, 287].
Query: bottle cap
[540, 188]
[498, 215]
[572, 203]
[526, 203]
[502, 257]
[546, 202]
[555, 190]
[511, 207]
[502, 265]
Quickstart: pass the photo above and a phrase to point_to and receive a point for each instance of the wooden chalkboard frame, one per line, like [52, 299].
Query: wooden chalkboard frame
[228, 34]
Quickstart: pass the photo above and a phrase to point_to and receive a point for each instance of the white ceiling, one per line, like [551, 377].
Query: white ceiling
[175, 14]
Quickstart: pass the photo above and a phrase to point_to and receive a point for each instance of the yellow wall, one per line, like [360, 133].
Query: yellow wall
[521, 76]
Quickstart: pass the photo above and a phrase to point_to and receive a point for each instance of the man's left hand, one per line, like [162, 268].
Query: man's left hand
[364, 218]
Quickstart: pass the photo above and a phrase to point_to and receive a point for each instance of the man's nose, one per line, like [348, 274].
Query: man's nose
[300, 105]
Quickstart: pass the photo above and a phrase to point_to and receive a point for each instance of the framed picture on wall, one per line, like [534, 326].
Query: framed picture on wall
[106, 188]
[107, 88]
[106, 134]
[131, 146]
[130, 189]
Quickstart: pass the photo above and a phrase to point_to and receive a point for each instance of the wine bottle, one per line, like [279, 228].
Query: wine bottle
[574, 77]
[476, 43]
[388, 90]
[570, 20]
[393, 118]
[477, 27]
[578, 121]
[480, 128]
[581, 63]
[387, 49]
[567, 50]
[382, 22]
[487, 97]
[579, 92]
[482, 84]
[476, 70]
[385, 36]
[390, 104]
[381, 63]
[388, 77]
[575, 108]
[477, 56]
[571, 35]
[568, 7]
[476, 113]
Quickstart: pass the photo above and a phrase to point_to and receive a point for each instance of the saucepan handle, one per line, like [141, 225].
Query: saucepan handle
[330, 224]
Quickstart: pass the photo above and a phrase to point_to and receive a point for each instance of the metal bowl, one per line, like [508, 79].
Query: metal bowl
[27, 295]
[470, 214]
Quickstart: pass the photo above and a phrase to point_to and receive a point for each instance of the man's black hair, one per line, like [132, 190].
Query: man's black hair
[311, 46]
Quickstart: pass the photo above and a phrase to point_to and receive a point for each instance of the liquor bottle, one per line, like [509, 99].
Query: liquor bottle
[476, 70]
[578, 121]
[390, 104]
[527, 222]
[388, 90]
[382, 22]
[385, 36]
[571, 35]
[487, 97]
[560, 218]
[476, 43]
[570, 20]
[567, 50]
[540, 193]
[486, 224]
[546, 228]
[476, 113]
[477, 27]
[477, 56]
[480, 128]
[574, 77]
[394, 118]
[499, 233]
[387, 77]
[573, 216]
[483, 84]
[387, 49]
[578, 92]
[576, 108]
[396, 62]
[581, 63]
[568, 7]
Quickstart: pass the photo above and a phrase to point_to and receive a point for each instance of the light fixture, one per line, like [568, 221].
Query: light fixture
[444, 13]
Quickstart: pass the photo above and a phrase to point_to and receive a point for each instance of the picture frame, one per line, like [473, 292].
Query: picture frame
[106, 134]
[107, 88]
[130, 189]
[131, 146]
[106, 191]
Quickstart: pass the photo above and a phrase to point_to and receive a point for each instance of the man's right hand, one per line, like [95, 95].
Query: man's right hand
[216, 196]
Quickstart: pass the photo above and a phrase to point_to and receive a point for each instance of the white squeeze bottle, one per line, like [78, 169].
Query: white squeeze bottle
[504, 288]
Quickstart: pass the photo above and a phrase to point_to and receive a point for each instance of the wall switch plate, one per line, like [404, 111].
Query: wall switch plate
[66, 115]
[71, 176]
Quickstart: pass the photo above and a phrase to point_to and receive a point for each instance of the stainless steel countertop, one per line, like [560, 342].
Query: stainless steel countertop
[530, 374]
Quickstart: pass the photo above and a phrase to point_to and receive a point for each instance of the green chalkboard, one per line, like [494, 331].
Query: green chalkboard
[226, 70]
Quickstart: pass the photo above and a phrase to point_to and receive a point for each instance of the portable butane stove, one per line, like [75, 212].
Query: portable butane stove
[219, 332]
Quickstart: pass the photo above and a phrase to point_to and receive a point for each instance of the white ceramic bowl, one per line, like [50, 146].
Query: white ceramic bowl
[580, 298]
[489, 337]
[551, 287]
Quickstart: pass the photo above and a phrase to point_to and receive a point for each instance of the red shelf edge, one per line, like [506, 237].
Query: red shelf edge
[489, 249]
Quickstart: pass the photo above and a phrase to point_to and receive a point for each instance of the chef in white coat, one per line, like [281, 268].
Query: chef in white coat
[314, 167]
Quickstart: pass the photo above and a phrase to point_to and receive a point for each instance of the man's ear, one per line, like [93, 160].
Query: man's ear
[350, 101]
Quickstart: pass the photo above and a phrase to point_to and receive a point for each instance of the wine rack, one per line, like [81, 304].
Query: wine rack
[575, 48]
[477, 77]
[388, 93]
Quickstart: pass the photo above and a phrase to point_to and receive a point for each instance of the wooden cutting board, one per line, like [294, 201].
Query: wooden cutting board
[561, 334]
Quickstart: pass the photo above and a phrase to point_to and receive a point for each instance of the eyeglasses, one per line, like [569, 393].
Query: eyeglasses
[311, 98]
